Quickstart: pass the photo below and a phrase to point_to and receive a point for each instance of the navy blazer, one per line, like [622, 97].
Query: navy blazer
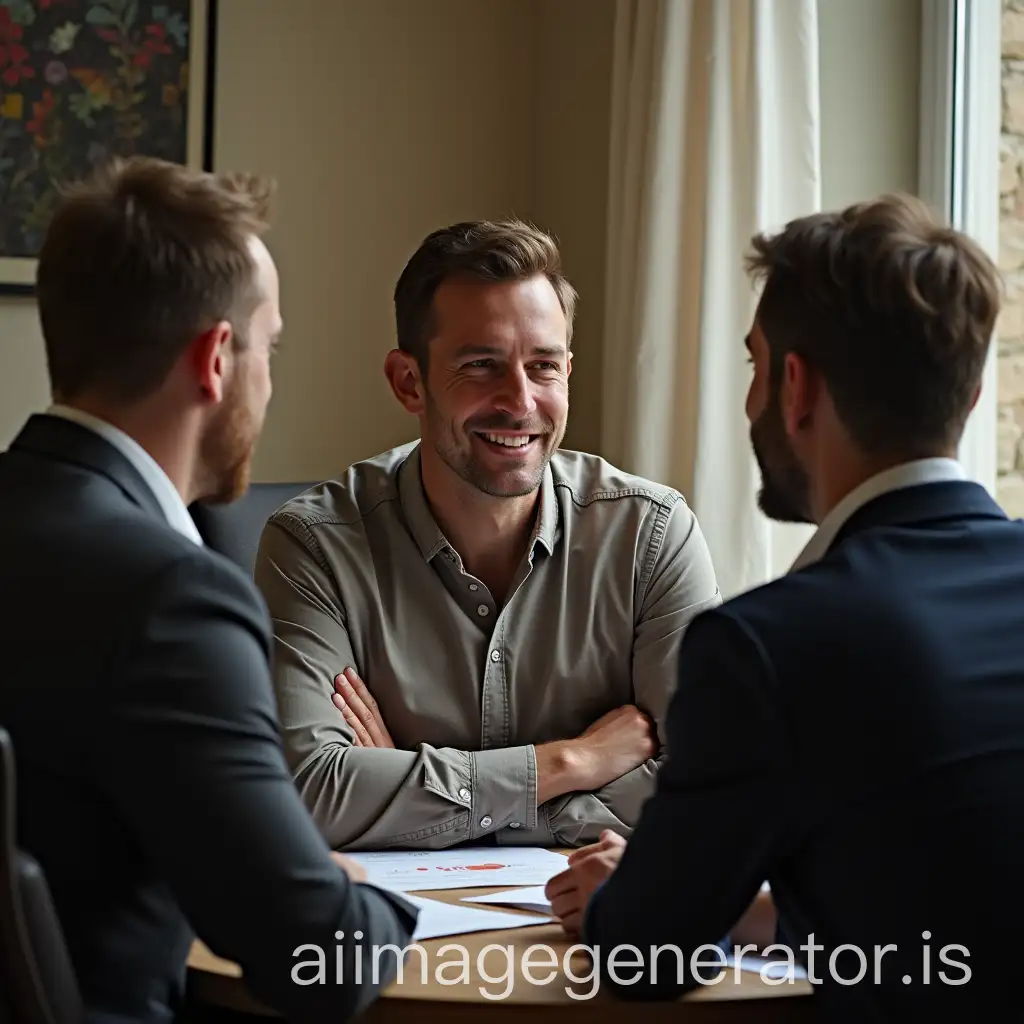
[854, 733]
[152, 785]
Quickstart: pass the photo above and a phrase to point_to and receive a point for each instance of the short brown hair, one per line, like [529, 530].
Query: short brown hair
[508, 250]
[138, 260]
[895, 310]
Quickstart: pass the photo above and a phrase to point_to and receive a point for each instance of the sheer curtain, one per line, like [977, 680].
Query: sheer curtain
[714, 137]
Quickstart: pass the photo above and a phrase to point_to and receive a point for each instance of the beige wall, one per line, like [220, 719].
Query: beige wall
[434, 112]
[384, 120]
[23, 384]
[572, 122]
[381, 122]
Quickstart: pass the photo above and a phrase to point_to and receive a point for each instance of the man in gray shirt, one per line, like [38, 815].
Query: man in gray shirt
[476, 633]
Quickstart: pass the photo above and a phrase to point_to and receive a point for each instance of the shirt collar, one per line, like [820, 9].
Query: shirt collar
[909, 474]
[166, 494]
[427, 534]
[547, 522]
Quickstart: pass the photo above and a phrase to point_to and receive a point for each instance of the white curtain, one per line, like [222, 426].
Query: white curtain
[715, 136]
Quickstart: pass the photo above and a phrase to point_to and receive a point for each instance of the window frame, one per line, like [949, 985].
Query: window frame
[958, 163]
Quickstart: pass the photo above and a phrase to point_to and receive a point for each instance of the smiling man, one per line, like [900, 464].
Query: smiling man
[476, 633]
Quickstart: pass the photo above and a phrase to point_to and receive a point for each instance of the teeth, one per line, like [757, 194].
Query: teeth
[508, 442]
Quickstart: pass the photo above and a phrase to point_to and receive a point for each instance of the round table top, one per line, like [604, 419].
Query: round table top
[533, 967]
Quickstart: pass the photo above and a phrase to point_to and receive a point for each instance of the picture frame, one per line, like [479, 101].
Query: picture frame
[84, 80]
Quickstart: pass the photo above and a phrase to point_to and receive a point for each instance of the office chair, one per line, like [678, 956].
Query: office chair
[37, 980]
[234, 530]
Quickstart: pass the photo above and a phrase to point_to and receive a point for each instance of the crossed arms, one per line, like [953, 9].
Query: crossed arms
[366, 794]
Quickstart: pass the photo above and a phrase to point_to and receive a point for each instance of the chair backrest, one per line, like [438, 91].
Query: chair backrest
[36, 975]
[234, 530]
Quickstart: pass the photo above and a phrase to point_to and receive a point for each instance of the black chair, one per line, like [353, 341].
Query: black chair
[37, 980]
[234, 530]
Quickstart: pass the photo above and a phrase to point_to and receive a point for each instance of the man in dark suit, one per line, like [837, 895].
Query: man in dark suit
[153, 788]
[853, 732]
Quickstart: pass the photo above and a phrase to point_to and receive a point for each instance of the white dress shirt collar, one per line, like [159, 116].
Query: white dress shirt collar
[166, 494]
[909, 474]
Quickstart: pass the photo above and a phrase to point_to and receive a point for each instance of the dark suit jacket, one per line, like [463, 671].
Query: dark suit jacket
[151, 780]
[853, 733]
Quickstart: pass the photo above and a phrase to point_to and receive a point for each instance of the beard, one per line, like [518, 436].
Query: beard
[463, 460]
[227, 448]
[785, 485]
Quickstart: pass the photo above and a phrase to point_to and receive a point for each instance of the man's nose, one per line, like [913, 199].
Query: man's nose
[516, 393]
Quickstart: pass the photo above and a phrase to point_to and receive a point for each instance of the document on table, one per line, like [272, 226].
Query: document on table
[529, 898]
[410, 870]
[773, 970]
[437, 919]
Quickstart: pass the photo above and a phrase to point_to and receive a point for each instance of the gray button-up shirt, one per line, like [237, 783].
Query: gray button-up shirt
[356, 572]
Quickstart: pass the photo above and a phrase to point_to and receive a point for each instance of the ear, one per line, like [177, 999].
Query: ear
[798, 396]
[977, 395]
[210, 361]
[568, 363]
[403, 374]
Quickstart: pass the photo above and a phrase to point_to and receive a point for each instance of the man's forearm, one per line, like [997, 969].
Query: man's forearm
[562, 767]
[578, 815]
[580, 818]
[368, 798]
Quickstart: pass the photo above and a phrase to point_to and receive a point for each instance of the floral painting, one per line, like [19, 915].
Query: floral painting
[81, 81]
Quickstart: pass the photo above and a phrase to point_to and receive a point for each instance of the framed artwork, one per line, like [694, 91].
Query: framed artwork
[85, 80]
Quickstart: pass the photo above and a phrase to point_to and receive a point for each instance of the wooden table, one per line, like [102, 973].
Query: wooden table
[544, 995]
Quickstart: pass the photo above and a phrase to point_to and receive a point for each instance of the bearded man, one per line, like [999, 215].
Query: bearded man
[152, 788]
[853, 732]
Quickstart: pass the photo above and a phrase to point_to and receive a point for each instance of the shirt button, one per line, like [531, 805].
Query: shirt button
[495, 655]
[482, 609]
[485, 821]
[513, 824]
[473, 587]
[463, 794]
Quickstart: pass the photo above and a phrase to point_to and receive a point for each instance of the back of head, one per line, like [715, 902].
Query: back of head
[893, 309]
[486, 251]
[138, 261]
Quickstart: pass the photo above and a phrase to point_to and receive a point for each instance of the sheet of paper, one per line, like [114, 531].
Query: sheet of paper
[529, 898]
[438, 919]
[772, 969]
[410, 870]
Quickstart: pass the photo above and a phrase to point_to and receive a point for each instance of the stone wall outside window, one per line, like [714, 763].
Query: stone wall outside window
[1010, 483]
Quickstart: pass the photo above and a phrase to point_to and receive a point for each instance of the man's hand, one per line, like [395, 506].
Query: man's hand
[570, 890]
[356, 872]
[354, 701]
[616, 743]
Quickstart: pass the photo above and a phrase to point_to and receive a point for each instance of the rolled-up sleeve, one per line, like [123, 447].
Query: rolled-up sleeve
[369, 798]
